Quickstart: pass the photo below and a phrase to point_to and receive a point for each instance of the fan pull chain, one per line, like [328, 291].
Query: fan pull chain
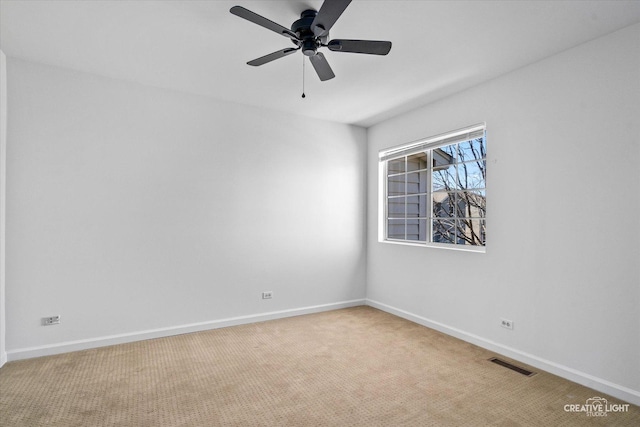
[303, 95]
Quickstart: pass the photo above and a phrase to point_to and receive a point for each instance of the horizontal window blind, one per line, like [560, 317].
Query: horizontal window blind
[460, 135]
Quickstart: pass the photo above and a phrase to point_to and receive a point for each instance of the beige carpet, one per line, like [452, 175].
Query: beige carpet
[351, 367]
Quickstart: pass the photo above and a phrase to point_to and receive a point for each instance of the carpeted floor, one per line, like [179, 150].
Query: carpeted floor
[352, 367]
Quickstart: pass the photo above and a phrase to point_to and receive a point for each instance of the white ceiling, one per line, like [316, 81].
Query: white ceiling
[439, 47]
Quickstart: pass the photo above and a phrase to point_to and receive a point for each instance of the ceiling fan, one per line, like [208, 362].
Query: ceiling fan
[311, 32]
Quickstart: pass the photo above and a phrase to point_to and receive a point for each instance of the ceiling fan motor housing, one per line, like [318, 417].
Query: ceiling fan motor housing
[302, 27]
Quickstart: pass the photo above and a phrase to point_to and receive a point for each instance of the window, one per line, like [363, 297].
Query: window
[434, 190]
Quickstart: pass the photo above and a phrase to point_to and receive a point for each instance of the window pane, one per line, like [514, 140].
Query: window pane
[395, 185]
[444, 178]
[443, 204]
[471, 174]
[471, 150]
[417, 206]
[417, 182]
[395, 229]
[471, 204]
[396, 207]
[471, 232]
[417, 161]
[395, 166]
[411, 207]
[443, 231]
[444, 155]
[417, 229]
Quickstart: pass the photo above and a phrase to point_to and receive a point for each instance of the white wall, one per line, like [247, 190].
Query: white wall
[562, 259]
[135, 212]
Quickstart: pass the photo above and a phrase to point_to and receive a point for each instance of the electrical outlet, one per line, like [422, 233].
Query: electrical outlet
[53, 320]
[506, 323]
[267, 295]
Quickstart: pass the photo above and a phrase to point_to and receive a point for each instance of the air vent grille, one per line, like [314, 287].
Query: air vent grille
[511, 366]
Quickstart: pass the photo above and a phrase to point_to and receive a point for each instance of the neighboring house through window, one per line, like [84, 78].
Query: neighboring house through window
[434, 190]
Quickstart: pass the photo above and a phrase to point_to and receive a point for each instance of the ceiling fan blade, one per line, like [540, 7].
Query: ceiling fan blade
[272, 56]
[262, 21]
[328, 14]
[321, 66]
[371, 47]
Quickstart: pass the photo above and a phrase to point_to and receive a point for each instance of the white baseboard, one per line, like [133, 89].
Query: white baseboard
[65, 347]
[3, 359]
[599, 384]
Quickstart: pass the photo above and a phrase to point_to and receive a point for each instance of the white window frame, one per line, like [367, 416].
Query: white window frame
[427, 144]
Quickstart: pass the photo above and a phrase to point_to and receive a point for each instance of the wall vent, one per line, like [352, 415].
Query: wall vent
[512, 367]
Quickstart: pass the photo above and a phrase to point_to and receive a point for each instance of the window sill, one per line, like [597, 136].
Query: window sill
[477, 249]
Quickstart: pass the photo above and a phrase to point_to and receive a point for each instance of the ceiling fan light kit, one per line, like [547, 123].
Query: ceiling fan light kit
[311, 32]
